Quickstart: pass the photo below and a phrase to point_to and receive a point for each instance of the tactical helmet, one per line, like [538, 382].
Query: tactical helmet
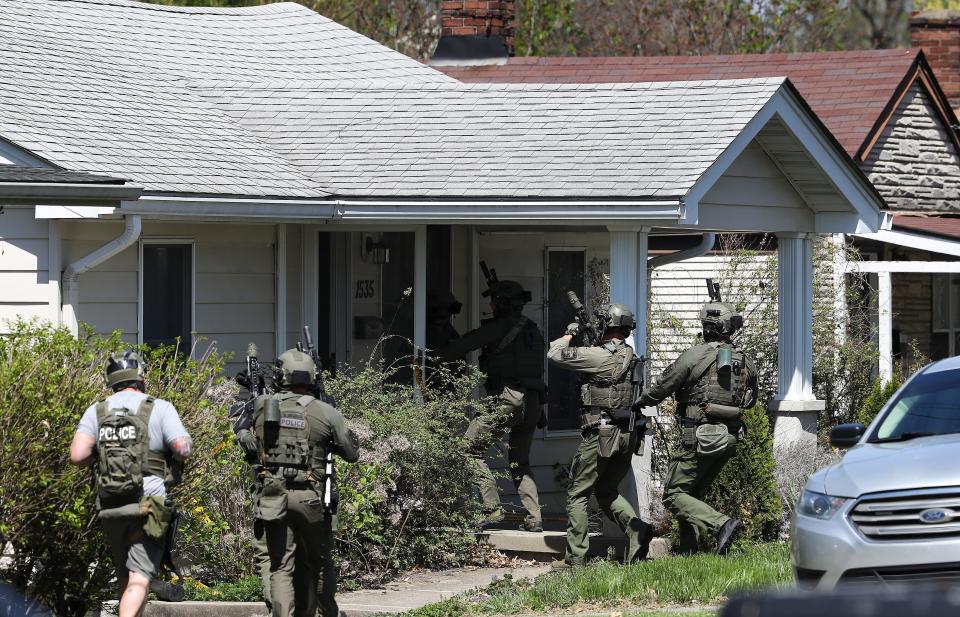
[442, 305]
[509, 294]
[720, 318]
[296, 369]
[123, 368]
[617, 315]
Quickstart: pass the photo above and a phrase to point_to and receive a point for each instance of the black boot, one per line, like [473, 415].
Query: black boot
[639, 535]
[727, 534]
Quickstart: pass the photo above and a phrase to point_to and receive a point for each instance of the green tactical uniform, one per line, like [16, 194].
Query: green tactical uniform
[512, 359]
[294, 533]
[607, 446]
[712, 399]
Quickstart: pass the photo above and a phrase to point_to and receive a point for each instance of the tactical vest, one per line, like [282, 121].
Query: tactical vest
[285, 448]
[718, 393]
[612, 390]
[124, 454]
[518, 355]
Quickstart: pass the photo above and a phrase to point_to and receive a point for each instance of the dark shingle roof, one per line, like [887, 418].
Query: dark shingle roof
[20, 173]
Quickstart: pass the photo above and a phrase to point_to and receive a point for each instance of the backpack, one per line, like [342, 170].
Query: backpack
[123, 446]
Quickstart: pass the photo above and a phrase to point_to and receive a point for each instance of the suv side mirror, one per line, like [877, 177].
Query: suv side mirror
[846, 435]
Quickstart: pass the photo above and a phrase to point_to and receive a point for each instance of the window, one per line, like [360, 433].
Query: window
[946, 316]
[565, 271]
[166, 305]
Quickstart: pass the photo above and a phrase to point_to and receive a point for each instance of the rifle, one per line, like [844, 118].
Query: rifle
[491, 275]
[253, 384]
[321, 393]
[713, 289]
[166, 590]
[590, 334]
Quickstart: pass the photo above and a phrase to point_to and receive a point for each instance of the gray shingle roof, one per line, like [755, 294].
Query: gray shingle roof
[498, 140]
[98, 86]
[20, 173]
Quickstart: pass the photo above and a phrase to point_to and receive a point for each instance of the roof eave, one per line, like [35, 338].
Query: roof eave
[38, 191]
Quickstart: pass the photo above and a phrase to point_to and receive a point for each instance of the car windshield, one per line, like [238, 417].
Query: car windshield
[928, 405]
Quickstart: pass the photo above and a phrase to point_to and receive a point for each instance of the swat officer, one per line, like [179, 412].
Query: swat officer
[137, 443]
[512, 359]
[441, 307]
[293, 432]
[713, 383]
[608, 443]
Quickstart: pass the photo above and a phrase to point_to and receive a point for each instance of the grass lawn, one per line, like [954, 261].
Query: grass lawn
[671, 581]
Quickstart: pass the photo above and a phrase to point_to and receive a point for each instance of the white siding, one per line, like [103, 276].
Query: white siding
[26, 290]
[234, 285]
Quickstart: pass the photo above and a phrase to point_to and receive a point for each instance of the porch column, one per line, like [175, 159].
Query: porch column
[885, 325]
[628, 285]
[420, 288]
[280, 344]
[795, 405]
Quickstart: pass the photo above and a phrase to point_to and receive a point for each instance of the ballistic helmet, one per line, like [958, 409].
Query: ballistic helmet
[124, 368]
[720, 318]
[617, 315]
[442, 305]
[509, 294]
[296, 369]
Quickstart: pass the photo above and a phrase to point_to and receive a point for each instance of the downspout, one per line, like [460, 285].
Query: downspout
[706, 243]
[71, 287]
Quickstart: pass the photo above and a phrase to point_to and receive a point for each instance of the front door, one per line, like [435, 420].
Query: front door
[566, 269]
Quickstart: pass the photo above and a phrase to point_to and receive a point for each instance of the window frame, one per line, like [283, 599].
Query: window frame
[547, 432]
[953, 329]
[193, 282]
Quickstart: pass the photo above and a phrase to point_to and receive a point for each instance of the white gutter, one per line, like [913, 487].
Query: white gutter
[407, 211]
[71, 287]
[706, 243]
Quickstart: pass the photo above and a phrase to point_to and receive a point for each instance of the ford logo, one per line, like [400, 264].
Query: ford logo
[935, 515]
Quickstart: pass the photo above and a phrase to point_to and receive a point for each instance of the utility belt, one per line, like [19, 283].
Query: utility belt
[712, 412]
[593, 417]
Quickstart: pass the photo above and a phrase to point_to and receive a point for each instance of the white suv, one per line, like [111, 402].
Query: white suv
[889, 510]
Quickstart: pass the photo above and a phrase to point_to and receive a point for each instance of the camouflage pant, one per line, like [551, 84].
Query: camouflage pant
[523, 414]
[688, 480]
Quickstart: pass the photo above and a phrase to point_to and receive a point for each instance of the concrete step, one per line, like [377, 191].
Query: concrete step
[549, 545]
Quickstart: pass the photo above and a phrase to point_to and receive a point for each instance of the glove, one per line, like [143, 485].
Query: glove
[573, 329]
[243, 379]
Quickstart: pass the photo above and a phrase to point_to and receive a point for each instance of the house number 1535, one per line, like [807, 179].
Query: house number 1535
[365, 289]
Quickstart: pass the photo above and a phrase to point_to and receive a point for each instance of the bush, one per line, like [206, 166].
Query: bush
[877, 397]
[746, 488]
[246, 589]
[408, 500]
[47, 379]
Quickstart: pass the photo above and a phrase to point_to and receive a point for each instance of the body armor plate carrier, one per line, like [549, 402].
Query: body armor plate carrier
[720, 389]
[285, 449]
[124, 454]
[518, 355]
[613, 394]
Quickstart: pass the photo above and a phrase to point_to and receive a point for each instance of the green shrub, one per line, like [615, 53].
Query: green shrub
[246, 589]
[47, 519]
[877, 397]
[747, 488]
[408, 501]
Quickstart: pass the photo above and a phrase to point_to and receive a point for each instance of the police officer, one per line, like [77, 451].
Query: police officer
[712, 382]
[441, 307]
[608, 444]
[137, 442]
[512, 359]
[293, 432]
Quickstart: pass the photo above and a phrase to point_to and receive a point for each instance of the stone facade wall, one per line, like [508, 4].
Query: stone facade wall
[914, 164]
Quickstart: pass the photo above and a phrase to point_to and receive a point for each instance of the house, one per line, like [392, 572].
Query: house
[885, 107]
[277, 154]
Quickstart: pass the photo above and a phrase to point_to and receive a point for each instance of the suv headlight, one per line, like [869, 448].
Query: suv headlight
[818, 505]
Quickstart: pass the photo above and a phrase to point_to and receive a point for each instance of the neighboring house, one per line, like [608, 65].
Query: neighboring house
[885, 107]
[278, 154]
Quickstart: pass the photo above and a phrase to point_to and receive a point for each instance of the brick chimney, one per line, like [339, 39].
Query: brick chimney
[938, 33]
[475, 33]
